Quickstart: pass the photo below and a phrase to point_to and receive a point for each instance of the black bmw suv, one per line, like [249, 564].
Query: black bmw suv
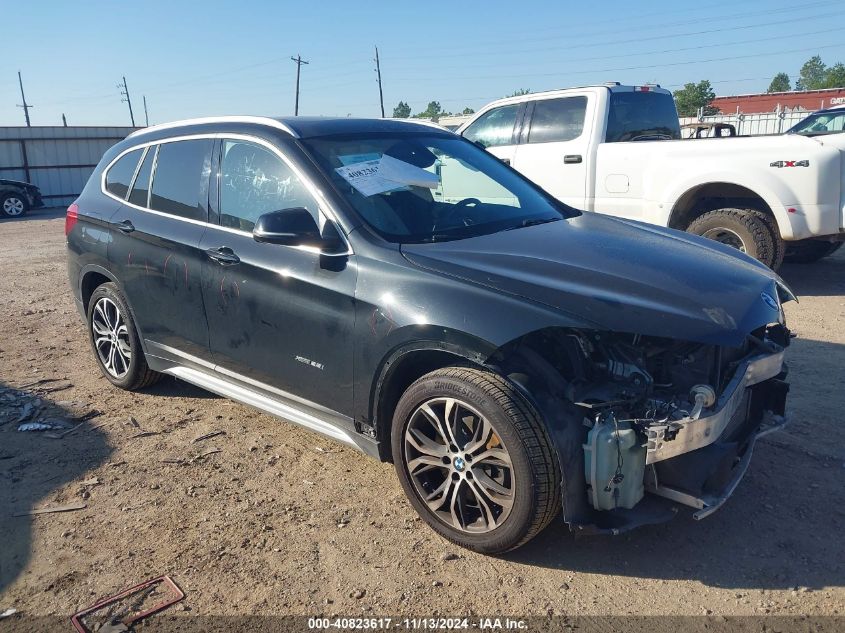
[397, 288]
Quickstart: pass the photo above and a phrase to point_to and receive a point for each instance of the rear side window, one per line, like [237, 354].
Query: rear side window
[119, 175]
[180, 180]
[557, 119]
[642, 116]
[494, 127]
[141, 188]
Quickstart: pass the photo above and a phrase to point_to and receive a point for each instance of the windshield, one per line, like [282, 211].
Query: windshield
[642, 116]
[429, 187]
[821, 123]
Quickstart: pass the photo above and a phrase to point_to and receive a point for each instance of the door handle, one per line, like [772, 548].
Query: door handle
[506, 161]
[224, 256]
[571, 159]
[125, 227]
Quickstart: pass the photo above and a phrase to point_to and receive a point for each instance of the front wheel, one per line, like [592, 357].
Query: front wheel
[474, 459]
[13, 205]
[743, 229]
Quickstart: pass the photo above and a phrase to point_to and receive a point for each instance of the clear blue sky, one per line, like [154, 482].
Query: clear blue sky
[204, 58]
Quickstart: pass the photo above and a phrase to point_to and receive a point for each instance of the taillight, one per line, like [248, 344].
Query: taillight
[71, 218]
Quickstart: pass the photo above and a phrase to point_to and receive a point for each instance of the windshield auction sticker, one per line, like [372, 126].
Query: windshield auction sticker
[385, 174]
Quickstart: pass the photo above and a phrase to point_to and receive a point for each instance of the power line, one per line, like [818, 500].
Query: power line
[124, 91]
[24, 105]
[299, 61]
[380, 93]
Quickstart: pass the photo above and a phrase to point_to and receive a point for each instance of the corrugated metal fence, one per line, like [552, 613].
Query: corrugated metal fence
[57, 159]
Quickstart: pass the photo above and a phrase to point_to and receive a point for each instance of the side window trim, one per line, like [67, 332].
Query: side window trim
[523, 122]
[136, 172]
[325, 209]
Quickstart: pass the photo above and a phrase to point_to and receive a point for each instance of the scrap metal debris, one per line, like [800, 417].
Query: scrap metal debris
[7, 613]
[29, 412]
[120, 612]
[49, 510]
[46, 425]
[207, 436]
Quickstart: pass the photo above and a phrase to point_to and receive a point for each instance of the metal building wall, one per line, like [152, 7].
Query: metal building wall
[57, 159]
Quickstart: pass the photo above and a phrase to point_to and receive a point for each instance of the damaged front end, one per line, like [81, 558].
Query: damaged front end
[648, 422]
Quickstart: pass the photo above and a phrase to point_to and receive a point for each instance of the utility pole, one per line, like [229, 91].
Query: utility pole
[380, 93]
[299, 61]
[64, 119]
[25, 105]
[146, 114]
[124, 91]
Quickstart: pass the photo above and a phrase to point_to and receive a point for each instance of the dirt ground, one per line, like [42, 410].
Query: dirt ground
[282, 521]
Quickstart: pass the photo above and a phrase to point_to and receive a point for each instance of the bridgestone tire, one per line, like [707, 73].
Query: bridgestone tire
[139, 375]
[809, 251]
[536, 473]
[744, 229]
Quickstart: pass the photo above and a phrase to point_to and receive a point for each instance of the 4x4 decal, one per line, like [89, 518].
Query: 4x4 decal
[790, 163]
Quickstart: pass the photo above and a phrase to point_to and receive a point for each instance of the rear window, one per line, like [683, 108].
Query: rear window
[180, 180]
[642, 116]
[119, 175]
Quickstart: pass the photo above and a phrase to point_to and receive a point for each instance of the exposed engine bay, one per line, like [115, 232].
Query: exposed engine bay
[659, 417]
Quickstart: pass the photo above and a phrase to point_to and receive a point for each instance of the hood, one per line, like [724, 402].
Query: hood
[17, 183]
[619, 275]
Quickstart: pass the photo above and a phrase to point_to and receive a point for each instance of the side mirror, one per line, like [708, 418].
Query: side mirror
[289, 227]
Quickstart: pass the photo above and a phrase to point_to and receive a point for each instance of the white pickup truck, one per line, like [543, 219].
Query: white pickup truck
[616, 150]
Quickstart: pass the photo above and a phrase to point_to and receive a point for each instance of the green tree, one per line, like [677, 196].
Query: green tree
[780, 83]
[402, 111]
[519, 93]
[694, 96]
[812, 75]
[434, 111]
[468, 111]
[835, 77]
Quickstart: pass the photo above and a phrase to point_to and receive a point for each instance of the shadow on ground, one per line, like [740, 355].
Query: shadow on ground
[34, 473]
[44, 213]
[824, 278]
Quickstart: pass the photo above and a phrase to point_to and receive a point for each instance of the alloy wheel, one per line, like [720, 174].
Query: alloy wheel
[13, 206]
[459, 466]
[111, 337]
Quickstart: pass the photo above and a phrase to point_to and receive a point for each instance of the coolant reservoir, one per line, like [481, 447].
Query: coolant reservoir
[605, 445]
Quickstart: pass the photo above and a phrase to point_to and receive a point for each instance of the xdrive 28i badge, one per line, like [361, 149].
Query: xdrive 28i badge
[769, 300]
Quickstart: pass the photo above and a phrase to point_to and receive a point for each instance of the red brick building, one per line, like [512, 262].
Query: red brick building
[769, 102]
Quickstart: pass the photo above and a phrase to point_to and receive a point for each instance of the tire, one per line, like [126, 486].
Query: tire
[13, 205]
[744, 229]
[115, 342]
[503, 457]
[809, 251]
[778, 243]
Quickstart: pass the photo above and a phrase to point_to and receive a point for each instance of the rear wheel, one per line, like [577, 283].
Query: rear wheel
[809, 251]
[474, 459]
[744, 229]
[13, 205]
[115, 341]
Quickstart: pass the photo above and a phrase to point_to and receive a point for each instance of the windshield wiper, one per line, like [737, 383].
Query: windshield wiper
[532, 222]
